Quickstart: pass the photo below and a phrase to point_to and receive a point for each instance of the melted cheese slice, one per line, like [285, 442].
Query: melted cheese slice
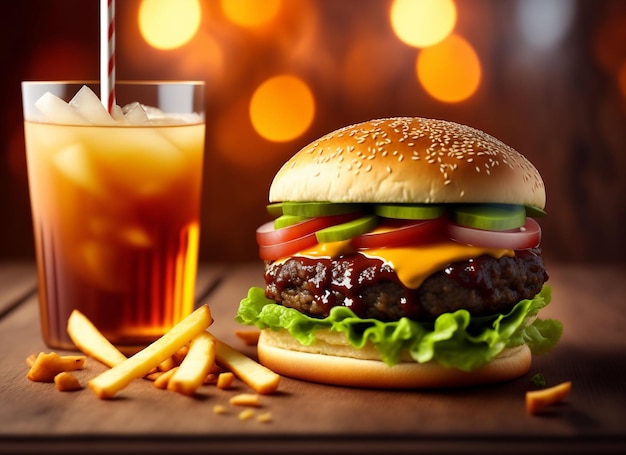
[413, 264]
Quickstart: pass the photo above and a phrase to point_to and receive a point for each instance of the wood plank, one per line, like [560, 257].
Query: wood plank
[17, 281]
[485, 418]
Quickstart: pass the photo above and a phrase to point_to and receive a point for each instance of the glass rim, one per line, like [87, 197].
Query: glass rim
[146, 82]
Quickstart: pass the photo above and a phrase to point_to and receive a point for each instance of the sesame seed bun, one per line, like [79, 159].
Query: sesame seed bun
[409, 160]
[331, 360]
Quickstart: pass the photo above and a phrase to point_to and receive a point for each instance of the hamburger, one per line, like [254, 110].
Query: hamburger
[403, 253]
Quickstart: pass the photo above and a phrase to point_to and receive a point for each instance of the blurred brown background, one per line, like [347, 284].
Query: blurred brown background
[552, 84]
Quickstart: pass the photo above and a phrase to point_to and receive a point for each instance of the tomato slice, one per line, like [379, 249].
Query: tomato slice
[288, 248]
[266, 235]
[401, 232]
[527, 236]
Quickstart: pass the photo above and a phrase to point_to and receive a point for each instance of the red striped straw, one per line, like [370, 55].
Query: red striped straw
[107, 53]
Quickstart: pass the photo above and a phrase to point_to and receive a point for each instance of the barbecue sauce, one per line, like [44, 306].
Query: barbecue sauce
[341, 281]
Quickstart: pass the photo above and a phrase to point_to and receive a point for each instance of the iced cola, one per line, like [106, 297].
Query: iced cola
[115, 203]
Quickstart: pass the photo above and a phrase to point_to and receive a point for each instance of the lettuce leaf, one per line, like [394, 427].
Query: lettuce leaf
[453, 339]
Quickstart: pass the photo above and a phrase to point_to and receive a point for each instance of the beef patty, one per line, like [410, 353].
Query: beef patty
[371, 288]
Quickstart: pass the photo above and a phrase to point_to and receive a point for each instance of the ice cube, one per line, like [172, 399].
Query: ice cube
[135, 113]
[136, 236]
[55, 110]
[138, 161]
[74, 164]
[118, 115]
[103, 266]
[154, 112]
[175, 119]
[87, 103]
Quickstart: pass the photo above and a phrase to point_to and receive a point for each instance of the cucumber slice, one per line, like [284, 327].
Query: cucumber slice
[311, 209]
[275, 209]
[288, 220]
[410, 211]
[346, 231]
[534, 212]
[491, 217]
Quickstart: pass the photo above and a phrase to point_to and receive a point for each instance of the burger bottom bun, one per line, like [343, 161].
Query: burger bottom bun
[333, 361]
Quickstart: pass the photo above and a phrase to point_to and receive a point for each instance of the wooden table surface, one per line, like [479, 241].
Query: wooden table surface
[310, 418]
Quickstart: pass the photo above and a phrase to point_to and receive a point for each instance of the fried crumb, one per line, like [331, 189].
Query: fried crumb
[66, 382]
[225, 380]
[246, 414]
[245, 399]
[220, 409]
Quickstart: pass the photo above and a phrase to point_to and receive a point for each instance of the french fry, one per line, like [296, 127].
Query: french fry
[167, 364]
[66, 382]
[537, 400]
[162, 381]
[249, 337]
[261, 379]
[154, 375]
[108, 383]
[180, 354]
[195, 366]
[47, 366]
[90, 341]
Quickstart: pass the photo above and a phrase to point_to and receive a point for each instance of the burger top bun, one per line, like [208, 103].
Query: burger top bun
[409, 160]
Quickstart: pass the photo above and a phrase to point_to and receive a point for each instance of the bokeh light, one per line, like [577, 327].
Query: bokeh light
[165, 24]
[544, 23]
[282, 108]
[250, 13]
[421, 23]
[449, 71]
